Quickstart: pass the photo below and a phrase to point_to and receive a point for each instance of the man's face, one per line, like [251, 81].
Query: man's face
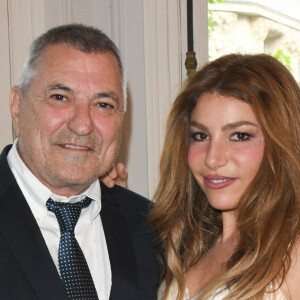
[69, 122]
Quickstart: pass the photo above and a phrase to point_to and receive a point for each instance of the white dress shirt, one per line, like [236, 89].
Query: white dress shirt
[88, 231]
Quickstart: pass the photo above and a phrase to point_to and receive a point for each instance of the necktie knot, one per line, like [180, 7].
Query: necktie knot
[67, 214]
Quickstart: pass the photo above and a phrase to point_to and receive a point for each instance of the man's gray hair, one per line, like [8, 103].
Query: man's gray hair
[81, 37]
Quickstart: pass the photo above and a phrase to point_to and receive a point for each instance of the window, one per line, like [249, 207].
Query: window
[261, 26]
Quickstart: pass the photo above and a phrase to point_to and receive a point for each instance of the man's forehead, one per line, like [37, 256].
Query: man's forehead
[60, 60]
[58, 56]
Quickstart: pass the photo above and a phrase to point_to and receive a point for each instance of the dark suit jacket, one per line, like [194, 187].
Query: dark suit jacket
[26, 267]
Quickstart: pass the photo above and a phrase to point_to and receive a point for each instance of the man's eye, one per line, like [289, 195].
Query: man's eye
[198, 136]
[105, 105]
[241, 136]
[59, 97]
[105, 108]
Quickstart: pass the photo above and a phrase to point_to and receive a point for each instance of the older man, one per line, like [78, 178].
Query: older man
[62, 234]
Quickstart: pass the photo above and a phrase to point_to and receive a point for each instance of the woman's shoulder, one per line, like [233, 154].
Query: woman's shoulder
[218, 295]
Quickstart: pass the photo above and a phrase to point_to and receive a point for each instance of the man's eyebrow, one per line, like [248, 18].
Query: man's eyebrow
[111, 95]
[59, 86]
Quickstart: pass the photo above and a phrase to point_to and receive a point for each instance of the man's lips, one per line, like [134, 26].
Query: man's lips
[217, 181]
[76, 147]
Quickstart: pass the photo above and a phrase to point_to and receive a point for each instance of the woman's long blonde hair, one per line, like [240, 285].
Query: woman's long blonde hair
[268, 213]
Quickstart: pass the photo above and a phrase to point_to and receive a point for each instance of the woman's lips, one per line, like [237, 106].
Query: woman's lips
[217, 181]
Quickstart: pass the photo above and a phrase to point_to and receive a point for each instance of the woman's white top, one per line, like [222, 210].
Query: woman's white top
[278, 295]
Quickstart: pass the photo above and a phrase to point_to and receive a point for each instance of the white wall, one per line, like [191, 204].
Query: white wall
[5, 121]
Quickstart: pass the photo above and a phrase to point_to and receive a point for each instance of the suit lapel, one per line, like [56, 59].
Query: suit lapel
[120, 249]
[22, 234]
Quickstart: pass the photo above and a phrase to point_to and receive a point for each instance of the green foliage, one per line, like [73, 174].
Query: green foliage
[210, 15]
[283, 58]
[280, 55]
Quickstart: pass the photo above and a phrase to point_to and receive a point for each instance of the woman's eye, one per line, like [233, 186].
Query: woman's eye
[199, 136]
[59, 97]
[241, 136]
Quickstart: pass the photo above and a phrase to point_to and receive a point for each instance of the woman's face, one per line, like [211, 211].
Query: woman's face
[226, 148]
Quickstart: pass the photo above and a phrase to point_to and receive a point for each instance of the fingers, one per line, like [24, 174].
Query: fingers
[122, 175]
[113, 173]
[116, 175]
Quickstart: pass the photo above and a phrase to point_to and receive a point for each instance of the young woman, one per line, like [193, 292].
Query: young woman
[227, 206]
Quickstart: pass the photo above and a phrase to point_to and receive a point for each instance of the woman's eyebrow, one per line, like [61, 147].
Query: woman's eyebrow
[228, 126]
[235, 125]
[198, 125]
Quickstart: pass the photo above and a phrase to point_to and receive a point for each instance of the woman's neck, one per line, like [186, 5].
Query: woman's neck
[213, 263]
[230, 230]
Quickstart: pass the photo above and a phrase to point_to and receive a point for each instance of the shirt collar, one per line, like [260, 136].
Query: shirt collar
[37, 194]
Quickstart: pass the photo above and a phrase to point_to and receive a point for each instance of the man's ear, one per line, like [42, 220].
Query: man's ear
[14, 103]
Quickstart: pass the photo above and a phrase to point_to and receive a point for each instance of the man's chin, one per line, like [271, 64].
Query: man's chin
[71, 188]
[74, 176]
[66, 184]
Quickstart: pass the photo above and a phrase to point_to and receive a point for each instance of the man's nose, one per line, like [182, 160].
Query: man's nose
[81, 121]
